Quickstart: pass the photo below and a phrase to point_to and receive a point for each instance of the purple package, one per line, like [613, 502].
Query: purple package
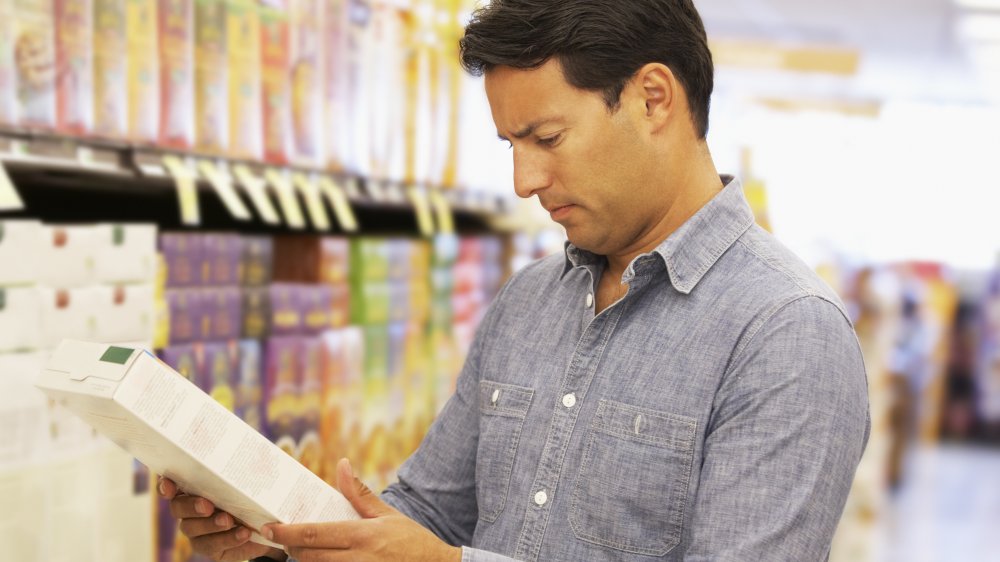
[257, 260]
[187, 315]
[184, 359]
[219, 371]
[309, 447]
[282, 377]
[316, 302]
[182, 253]
[256, 312]
[286, 308]
[223, 254]
[248, 386]
[226, 312]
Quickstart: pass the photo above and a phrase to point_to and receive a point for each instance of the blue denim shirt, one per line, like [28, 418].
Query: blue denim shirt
[717, 412]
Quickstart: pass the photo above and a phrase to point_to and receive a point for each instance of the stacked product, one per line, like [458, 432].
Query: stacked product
[440, 330]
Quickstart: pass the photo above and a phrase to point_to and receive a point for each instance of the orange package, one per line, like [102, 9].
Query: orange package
[305, 27]
[110, 67]
[275, 89]
[211, 116]
[74, 66]
[143, 70]
[32, 33]
[176, 27]
[243, 38]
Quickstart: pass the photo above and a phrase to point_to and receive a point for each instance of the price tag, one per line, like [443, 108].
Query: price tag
[286, 198]
[442, 210]
[338, 200]
[223, 186]
[257, 190]
[187, 189]
[9, 198]
[422, 207]
[314, 203]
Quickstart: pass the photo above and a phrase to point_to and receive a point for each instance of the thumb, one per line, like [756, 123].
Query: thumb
[367, 504]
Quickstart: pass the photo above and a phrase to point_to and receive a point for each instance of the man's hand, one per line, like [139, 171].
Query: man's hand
[382, 534]
[213, 533]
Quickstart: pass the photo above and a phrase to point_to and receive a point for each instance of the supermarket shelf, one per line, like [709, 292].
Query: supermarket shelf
[69, 179]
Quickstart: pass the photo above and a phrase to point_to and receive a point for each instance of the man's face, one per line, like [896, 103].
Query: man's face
[590, 168]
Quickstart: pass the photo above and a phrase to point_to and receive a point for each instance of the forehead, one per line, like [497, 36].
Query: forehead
[518, 96]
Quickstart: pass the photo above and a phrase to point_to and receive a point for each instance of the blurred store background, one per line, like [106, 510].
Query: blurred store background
[302, 206]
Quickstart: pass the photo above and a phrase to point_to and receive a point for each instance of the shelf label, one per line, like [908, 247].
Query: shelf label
[187, 189]
[9, 198]
[257, 190]
[223, 186]
[442, 210]
[338, 200]
[314, 203]
[422, 208]
[286, 198]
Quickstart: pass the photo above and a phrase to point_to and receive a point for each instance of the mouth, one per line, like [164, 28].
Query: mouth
[558, 212]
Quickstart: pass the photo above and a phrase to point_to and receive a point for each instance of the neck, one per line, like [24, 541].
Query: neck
[687, 192]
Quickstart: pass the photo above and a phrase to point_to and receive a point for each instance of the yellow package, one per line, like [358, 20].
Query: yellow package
[243, 37]
[34, 77]
[110, 67]
[142, 70]
[211, 115]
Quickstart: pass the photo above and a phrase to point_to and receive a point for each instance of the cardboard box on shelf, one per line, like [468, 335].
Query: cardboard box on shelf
[249, 385]
[74, 66]
[190, 319]
[211, 77]
[370, 303]
[125, 253]
[225, 307]
[7, 89]
[317, 305]
[311, 259]
[179, 431]
[305, 25]
[222, 255]
[20, 248]
[340, 307]
[184, 257]
[124, 313]
[276, 86]
[309, 449]
[243, 39]
[24, 438]
[66, 257]
[282, 384]
[287, 315]
[110, 69]
[33, 50]
[219, 372]
[143, 69]
[256, 312]
[68, 313]
[176, 32]
[20, 310]
[257, 260]
[369, 259]
[187, 359]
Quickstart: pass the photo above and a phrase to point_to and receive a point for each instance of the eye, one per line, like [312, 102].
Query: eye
[550, 141]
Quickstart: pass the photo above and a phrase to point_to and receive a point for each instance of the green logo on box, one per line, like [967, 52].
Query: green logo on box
[117, 355]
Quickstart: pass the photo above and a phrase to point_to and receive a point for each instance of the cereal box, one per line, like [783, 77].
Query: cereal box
[74, 66]
[243, 39]
[34, 54]
[211, 114]
[276, 90]
[143, 69]
[176, 27]
[110, 69]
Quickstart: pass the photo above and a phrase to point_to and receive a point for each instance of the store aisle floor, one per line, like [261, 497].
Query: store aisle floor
[948, 508]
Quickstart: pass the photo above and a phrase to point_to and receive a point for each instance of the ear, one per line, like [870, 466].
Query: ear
[658, 89]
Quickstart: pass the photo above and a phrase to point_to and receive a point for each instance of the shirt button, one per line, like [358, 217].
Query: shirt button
[569, 400]
[495, 397]
[541, 497]
[590, 300]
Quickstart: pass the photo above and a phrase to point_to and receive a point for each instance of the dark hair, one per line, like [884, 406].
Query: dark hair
[600, 44]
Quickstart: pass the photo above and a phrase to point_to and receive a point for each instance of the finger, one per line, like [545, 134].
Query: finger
[183, 507]
[301, 554]
[367, 504]
[199, 526]
[167, 488]
[340, 535]
[216, 545]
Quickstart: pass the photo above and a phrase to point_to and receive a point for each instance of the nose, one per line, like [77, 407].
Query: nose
[531, 173]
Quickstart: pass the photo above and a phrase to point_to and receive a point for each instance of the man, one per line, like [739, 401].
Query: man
[677, 386]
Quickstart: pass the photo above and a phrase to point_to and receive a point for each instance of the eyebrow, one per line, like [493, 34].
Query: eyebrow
[530, 128]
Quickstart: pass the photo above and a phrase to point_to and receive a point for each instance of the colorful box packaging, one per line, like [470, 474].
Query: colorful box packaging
[370, 303]
[125, 313]
[20, 310]
[176, 32]
[445, 250]
[287, 316]
[226, 311]
[336, 85]
[34, 54]
[74, 66]
[257, 260]
[399, 301]
[400, 259]
[243, 37]
[256, 312]
[125, 253]
[186, 359]
[223, 254]
[211, 77]
[188, 319]
[7, 87]
[369, 260]
[305, 60]
[143, 69]
[21, 243]
[276, 84]
[282, 382]
[183, 254]
[66, 257]
[335, 257]
[249, 389]
[310, 446]
[316, 302]
[340, 305]
[110, 69]
[219, 372]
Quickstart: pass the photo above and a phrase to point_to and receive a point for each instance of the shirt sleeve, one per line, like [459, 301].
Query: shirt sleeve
[787, 431]
[475, 555]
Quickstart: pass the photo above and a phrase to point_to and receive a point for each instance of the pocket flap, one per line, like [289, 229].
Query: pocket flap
[504, 399]
[644, 425]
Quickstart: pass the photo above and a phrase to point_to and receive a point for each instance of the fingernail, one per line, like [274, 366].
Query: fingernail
[243, 534]
[222, 520]
[161, 488]
[268, 533]
[201, 506]
[350, 469]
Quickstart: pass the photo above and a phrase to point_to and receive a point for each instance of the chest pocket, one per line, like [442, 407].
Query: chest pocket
[632, 489]
[502, 408]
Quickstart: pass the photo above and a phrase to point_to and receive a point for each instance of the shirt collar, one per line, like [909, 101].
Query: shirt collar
[693, 248]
